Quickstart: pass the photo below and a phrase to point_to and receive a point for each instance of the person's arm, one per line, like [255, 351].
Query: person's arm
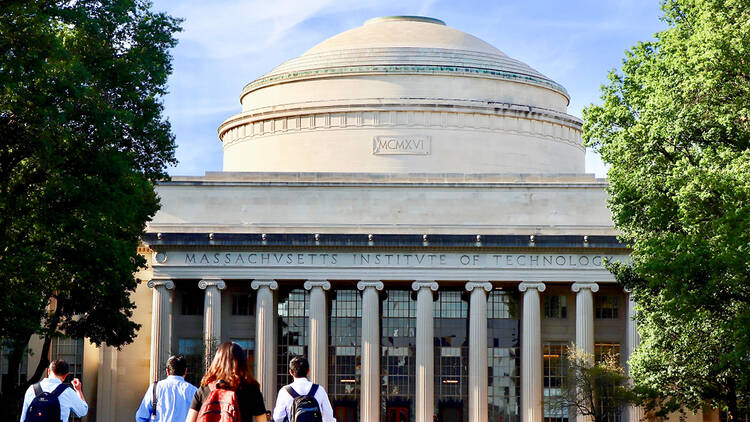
[325, 405]
[79, 405]
[143, 414]
[195, 406]
[192, 415]
[279, 411]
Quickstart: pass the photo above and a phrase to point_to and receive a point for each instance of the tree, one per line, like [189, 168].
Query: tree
[675, 127]
[597, 389]
[83, 142]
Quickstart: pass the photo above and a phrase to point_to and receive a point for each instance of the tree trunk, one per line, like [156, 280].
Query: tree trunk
[732, 409]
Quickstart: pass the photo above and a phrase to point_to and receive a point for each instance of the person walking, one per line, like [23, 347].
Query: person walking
[297, 395]
[51, 400]
[227, 386]
[169, 399]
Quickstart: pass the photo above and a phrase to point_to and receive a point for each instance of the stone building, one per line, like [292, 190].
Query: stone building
[405, 205]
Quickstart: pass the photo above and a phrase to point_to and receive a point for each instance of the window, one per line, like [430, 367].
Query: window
[398, 337]
[192, 300]
[241, 304]
[192, 349]
[503, 342]
[70, 350]
[555, 306]
[606, 306]
[601, 350]
[345, 336]
[554, 374]
[451, 352]
[292, 336]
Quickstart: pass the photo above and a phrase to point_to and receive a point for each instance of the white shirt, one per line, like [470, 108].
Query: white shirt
[69, 399]
[302, 386]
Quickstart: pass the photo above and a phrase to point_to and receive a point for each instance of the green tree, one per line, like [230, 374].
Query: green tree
[675, 127]
[83, 142]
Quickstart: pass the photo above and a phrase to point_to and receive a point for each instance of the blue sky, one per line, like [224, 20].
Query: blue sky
[228, 43]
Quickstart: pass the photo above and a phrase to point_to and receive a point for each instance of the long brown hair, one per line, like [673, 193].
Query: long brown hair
[229, 365]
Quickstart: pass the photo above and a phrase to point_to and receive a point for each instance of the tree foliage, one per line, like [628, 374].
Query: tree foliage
[83, 142]
[675, 127]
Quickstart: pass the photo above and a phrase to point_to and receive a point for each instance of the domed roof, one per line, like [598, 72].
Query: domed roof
[404, 45]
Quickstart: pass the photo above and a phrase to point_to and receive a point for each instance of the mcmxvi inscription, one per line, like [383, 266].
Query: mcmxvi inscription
[408, 145]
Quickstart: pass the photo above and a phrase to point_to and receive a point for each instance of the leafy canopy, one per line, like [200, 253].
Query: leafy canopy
[83, 142]
[675, 127]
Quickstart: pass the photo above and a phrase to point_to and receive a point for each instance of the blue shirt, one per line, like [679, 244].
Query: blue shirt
[69, 399]
[173, 398]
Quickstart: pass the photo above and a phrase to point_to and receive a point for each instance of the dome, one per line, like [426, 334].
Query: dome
[403, 94]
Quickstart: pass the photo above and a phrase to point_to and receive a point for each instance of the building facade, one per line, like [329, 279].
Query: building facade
[406, 206]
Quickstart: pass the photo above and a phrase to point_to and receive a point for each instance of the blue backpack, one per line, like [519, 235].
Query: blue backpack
[304, 408]
[46, 406]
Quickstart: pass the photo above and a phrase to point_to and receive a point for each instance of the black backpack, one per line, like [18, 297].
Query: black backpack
[46, 406]
[304, 408]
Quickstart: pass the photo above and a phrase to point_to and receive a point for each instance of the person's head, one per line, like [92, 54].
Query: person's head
[229, 365]
[177, 365]
[299, 367]
[58, 368]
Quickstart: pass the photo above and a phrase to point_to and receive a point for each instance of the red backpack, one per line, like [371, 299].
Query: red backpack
[220, 405]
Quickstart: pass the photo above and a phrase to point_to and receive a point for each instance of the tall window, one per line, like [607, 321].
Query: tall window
[191, 298]
[601, 350]
[292, 325]
[344, 357]
[241, 304]
[451, 356]
[22, 369]
[71, 351]
[398, 345]
[606, 306]
[192, 349]
[555, 306]
[554, 375]
[503, 342]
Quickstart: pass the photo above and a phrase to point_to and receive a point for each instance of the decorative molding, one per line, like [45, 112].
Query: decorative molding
[218, 283]
[540, 287]
[324, 284]
[487, 286]
[377, 284]
[420, 284]
[576, 287]
[271, 284]
[169, 284]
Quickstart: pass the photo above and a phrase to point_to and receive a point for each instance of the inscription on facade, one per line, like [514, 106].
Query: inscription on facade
[405, 145]
[388, 260]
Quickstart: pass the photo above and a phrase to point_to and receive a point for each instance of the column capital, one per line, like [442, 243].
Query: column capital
[421, 284]
[576, 287]
[271, 284]
[486, 285]
[324, 284]
[212, 282]
[525, 285]
[169, 284]
[363, 284]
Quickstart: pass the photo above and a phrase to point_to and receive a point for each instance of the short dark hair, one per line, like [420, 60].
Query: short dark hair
[177, 365]
[299, 366]
[59, 367]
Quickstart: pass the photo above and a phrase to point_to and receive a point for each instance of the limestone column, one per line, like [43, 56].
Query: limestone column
[635, 413]
[478, 411]
[585, 323]
[318, 335]
[265, 339]
[161, 326]
[211, 316]
[425, 359]
[531, 353]
[370, 382]
[585, 316]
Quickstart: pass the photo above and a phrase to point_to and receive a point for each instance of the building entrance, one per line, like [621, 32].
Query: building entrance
[397, 414]
[450, 412]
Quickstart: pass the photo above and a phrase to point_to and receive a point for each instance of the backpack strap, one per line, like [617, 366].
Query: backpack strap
[38, 390]
[153, 398]
[59, 390]
[291, 391]
[313, 389]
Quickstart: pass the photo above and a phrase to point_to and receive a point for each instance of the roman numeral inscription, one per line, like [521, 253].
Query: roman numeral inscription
[405, 145]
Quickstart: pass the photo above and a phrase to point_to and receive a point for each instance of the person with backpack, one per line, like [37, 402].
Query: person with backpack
[52, 401]
[302, 401]
[228, 392]
[169, 399]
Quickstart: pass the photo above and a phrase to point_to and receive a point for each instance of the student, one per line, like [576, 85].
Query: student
[229, 371]
[298, 368]
[173, 395]
[53, 384]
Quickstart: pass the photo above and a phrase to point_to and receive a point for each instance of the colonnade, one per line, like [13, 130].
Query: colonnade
[265, 340]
